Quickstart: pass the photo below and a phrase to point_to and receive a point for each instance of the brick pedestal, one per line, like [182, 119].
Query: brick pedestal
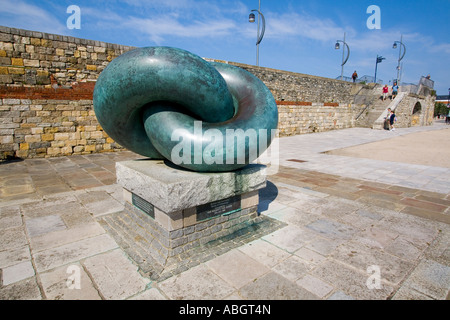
[173, 211]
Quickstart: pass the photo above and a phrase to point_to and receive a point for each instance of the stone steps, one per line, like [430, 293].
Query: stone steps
[377, 110]
[379, 122]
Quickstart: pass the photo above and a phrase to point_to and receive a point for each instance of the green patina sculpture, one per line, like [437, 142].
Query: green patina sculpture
[167, 103]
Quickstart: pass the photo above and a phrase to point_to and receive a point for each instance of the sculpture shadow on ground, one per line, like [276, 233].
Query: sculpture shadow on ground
[266, 196]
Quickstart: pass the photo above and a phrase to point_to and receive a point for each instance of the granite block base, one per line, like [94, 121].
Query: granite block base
[176, 218]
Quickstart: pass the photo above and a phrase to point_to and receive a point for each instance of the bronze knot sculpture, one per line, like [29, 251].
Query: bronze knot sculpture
[167, 103]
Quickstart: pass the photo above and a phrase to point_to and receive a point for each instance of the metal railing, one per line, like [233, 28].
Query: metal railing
[365, 79]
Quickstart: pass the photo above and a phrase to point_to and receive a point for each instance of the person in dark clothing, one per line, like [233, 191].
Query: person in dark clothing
[392, 120]
[354, 76]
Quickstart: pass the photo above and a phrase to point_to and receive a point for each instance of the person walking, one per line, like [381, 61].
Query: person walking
[394, 90]
[385, 92]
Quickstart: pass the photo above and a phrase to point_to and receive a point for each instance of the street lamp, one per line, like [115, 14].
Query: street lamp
[379, 60]
[344, 60]
[259, 34]
[400, 56]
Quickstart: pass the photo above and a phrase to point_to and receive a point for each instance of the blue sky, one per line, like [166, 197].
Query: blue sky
[300, 35]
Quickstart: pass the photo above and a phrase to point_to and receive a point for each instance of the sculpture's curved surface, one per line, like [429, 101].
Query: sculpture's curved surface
[164, 102]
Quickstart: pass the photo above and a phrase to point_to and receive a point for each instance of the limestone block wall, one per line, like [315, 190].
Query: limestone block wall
[30, 58]
[47, 82]
[291, 86]
[303, 118]
[46, 87]
[31, 128]
[408, 115]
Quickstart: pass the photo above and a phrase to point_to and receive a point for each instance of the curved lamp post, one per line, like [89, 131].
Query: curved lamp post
[260, 34]
[344, 60]
[400, 56]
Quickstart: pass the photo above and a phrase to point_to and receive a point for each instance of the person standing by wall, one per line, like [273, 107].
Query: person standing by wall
[354, 76]
[392, 120]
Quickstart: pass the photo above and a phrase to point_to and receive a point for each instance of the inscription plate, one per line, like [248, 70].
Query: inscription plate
[220, 207]
[143, 205]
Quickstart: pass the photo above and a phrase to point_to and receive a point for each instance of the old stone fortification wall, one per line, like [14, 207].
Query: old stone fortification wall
[29, 58]
[298, 87]
[47, 81]
[415, 110]
[314, 117]
[46, 86]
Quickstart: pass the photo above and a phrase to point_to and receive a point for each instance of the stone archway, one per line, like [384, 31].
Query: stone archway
[416, 114]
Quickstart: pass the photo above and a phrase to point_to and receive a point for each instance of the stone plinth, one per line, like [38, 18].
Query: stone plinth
[173, 211]
[172, 189]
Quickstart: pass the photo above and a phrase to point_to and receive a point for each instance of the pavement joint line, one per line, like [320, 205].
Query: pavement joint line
[32, 258]
[94, 283]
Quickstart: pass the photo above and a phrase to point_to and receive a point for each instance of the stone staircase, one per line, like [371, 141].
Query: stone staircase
[374, 113]
[370, 97]
[376, 110]
[379, 122]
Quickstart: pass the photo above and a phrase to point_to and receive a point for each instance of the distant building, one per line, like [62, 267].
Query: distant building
[443, 99]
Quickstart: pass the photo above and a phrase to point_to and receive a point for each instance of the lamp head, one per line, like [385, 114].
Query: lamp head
[251, 17]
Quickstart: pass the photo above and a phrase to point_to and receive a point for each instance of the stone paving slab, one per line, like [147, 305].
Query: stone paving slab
[115, 265]
[237, 268]
[207, 285]
[38, 226]
[72, 252]
[17, 272]
[346, 231]
[55, 284]
[273, 286]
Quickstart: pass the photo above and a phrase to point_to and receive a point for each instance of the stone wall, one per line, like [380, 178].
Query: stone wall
[29, 58]
[291, 86]
[31, 128]
[315, 117]
[47, 82]
[407, 116]
[46, 87]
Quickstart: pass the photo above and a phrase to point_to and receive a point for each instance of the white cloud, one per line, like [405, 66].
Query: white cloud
[302, 25]
[19, 14]
[159, 20]
[160, 27]
[443, 48]
[172, 4]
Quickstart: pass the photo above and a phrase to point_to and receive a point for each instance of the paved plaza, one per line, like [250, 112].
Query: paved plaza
[349, 222]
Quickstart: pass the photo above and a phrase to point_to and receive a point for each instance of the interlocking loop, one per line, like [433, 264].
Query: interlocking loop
[167, 103]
